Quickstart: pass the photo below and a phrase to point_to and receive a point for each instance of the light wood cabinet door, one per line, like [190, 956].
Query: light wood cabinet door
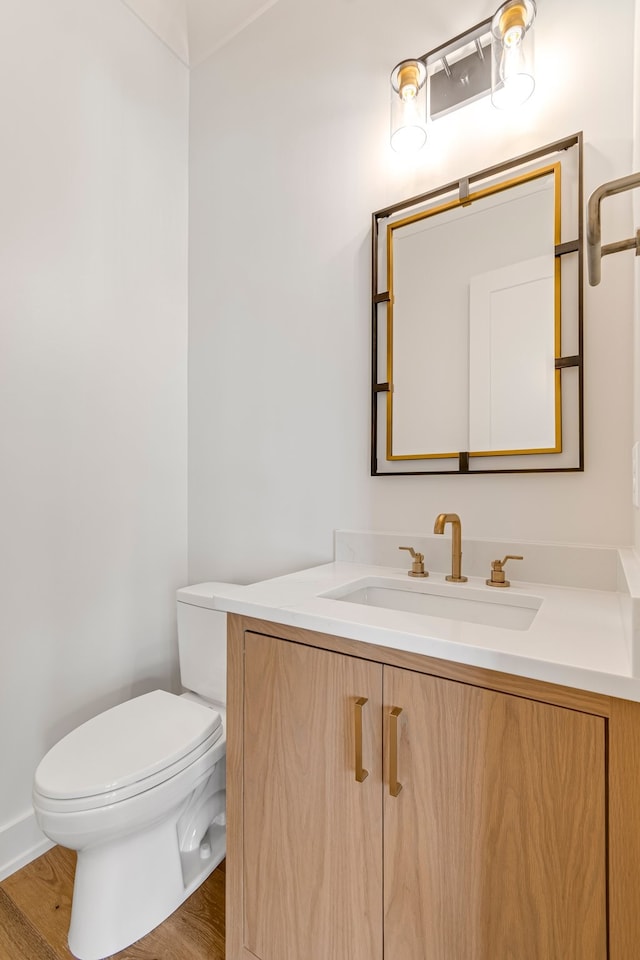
[495, 847]
[312, 832]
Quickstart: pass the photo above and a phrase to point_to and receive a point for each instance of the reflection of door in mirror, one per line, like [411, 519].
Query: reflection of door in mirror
[513, 391]
[475, 324]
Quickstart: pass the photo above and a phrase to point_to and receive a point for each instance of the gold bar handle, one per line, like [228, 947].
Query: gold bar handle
[394, 786]
[361, 773]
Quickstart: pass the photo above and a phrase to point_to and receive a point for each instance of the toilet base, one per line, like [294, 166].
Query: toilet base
[126, 887]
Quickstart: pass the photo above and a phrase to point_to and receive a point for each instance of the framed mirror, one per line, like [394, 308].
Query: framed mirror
[477, 322]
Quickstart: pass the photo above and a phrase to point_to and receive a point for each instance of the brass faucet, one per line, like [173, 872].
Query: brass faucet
[456, 543]
[498, 578]
[417, 567]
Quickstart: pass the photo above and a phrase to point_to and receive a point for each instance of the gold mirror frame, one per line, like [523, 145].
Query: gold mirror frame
[561, 457]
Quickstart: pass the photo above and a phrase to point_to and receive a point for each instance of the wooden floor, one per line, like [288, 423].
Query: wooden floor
[35, 906]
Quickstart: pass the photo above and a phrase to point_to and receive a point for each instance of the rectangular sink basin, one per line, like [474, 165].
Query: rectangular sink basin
[455, 602]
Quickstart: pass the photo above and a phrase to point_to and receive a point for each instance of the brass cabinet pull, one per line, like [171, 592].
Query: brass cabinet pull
[394, 786]
[361, 773]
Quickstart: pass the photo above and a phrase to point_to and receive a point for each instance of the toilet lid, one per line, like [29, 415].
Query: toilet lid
[126, 744]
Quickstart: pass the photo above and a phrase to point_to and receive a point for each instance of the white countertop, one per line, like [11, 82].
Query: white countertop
[579, 637]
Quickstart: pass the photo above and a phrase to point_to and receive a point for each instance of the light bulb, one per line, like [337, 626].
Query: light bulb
[512, 36]
[407, 78]
[408, 91]
[512, 25]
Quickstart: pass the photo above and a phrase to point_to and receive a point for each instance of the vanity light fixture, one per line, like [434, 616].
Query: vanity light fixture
[462, 70]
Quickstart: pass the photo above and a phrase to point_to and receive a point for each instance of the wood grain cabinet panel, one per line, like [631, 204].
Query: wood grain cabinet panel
[495, 846]
[312, 832]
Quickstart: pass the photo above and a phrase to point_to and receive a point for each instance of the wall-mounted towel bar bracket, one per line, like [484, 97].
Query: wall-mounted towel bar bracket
[595, 250]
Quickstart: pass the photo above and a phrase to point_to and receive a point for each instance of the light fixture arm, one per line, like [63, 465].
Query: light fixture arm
[595, 250]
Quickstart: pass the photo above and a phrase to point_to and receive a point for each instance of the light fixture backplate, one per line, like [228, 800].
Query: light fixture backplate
[459, 70]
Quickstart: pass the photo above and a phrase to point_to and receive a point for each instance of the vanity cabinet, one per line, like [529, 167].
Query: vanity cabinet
[312, 851]
[481, 829]
[495, 846]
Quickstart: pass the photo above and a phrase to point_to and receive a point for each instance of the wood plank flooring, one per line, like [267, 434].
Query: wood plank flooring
[35, 907]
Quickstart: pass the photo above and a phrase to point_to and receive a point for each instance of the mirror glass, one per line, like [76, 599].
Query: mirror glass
[480, 292]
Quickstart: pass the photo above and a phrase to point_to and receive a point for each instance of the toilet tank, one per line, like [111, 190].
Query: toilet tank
[202, 643]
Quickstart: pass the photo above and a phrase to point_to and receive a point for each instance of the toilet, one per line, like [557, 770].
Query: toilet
[139, 792]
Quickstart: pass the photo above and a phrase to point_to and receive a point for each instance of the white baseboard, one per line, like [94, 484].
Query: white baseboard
[21, 841]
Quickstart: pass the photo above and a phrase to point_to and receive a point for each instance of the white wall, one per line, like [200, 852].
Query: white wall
[93, 275]
[289, 157]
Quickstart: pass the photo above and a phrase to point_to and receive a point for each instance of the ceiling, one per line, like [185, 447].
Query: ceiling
[194, 29]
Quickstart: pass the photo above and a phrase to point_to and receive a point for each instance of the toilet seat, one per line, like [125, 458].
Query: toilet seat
[125, 751]
[80, 827]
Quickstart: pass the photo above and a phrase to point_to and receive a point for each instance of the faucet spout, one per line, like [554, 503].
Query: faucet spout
[456, 543]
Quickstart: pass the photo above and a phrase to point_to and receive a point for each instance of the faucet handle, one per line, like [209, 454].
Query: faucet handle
[417, 567]
[497, 571]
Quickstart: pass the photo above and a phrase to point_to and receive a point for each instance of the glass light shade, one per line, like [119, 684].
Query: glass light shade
[409, 106]
[512, 53]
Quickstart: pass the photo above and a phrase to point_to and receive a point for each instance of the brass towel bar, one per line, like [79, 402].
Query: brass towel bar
[595, 250]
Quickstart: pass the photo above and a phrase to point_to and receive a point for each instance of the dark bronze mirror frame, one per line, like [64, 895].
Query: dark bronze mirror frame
[572, 247]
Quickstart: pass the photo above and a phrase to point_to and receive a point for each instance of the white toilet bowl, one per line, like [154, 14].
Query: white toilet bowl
[139, 792]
